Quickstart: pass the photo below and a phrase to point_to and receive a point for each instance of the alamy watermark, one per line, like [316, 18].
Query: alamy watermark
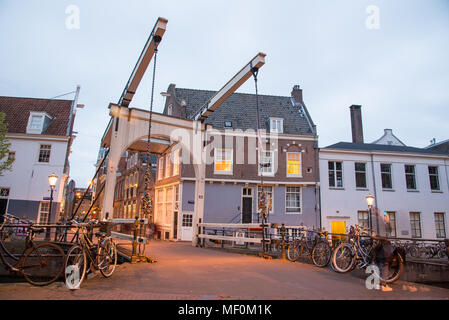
[372, 21]
[72, 21]
[72, 277]
[373, 280]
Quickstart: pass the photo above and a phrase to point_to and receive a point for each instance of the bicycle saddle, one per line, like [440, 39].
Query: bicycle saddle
[100, 234]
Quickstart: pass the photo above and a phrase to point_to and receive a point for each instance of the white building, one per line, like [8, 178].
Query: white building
[410, 186]
[40, 133]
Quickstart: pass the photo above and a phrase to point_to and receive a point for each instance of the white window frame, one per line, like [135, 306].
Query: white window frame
[420, 224]
[415, 177]
[444, 224]
[176, 162]
[437, 176]
[39, 130]
[300, 165]
[39, 153]
[160, 168]
[168, 166]
[223, 151]
[40, 212]
[335, 174]
[300, 200]
[359, 221]
[276, 128]
[271, 173]
[390, 173]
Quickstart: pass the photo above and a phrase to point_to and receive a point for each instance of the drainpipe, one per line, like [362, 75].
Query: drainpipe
[317, 193]
[375, 194]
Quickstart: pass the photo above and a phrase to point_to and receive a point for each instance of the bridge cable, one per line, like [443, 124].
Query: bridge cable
[147, 203]
[261, 200]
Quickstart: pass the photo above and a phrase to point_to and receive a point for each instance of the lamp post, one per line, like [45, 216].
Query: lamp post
[370, 202]
[52, 182]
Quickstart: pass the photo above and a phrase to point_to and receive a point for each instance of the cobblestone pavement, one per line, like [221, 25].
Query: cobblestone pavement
[185, 272]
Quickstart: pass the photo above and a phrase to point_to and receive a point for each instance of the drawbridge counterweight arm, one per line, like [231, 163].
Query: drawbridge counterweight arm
[143, 62]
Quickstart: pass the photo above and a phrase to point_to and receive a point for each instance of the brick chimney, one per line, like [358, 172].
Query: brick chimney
[356, 123]
[297, 94]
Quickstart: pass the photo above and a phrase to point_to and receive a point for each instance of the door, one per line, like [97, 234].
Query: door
[247, 208]
[3, 206]
[338, 227]
[186, 227]
[175, 225]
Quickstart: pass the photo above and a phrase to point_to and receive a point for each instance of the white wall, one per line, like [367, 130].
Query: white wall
[28, 179]
[343, 204]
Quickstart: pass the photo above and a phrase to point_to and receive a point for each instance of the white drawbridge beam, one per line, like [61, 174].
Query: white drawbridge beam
[229, 88]
[143, 62]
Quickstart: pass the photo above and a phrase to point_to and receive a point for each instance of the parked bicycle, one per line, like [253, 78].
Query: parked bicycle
[312, 244]
[360, 253]
[85, 254]
[40, 264]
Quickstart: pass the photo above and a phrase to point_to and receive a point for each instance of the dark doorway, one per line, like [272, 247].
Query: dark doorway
[175, 225]
[247, 210]
[3, 205]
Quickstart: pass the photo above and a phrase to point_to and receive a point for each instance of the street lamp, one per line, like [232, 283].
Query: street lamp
[52, 182]
[370, 202]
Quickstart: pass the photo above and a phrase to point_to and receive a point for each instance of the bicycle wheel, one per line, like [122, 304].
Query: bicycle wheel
[43, 264]
[75, 266]
[293, 252]
[395, 269]
[321, 254]
[343, 258]
[107, 258]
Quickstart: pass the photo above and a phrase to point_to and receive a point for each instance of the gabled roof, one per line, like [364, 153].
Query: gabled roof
[381, 147]
[240, 109]
[18, 110]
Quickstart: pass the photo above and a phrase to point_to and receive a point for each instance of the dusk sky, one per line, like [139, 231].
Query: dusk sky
[397, 69]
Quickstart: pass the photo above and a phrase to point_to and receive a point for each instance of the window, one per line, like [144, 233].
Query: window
[440, 226]
[44, 210]
[168, 166]
[223, 161]
[176, 162]
[187, 220]
[276, 125]
[266, 163]
[170, 110]
[415, 224]
[335, 174]
[38, 122]
[293, 200]
[433, 177]
[11, 155]
[293, 164]
[268, 190]
[228, 124]
[410, 177]
[385, 170]
[160, 167]
[363, 219]
[360, 175]
[44, 153]
[159, 202]
[390, 226]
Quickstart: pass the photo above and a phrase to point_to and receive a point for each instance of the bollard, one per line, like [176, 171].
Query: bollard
[283, 241]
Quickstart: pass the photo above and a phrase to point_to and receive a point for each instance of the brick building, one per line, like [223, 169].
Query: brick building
[233, 180]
